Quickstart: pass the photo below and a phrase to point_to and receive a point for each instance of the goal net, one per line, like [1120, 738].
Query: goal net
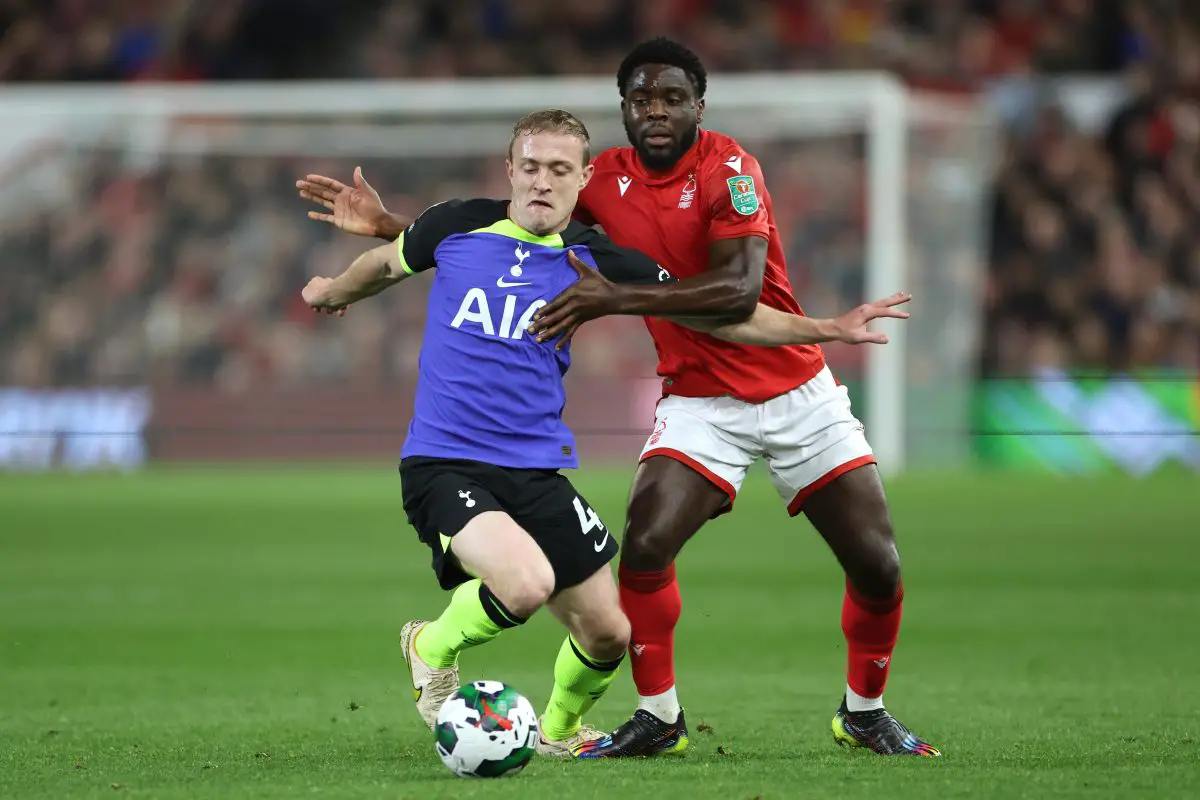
[154, 239]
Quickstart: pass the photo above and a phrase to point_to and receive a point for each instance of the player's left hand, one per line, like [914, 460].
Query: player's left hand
[355, 209]
[316, 295]
[851, 328]
[590, 297]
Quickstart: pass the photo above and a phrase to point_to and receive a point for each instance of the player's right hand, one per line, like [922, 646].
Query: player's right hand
[851, 328]
[590, 297]
[316, 295]
[355, 209]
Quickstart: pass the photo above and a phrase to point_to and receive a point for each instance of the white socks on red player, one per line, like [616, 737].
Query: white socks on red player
[665, 706]
[856, 702]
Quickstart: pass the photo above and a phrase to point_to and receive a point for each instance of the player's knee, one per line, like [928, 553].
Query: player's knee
[648, 547]
[887, 571]
[527, 589]
[607, 639]
[878, 575]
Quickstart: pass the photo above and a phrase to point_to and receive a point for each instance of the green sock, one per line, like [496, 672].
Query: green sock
[579, 681]
[474, 617]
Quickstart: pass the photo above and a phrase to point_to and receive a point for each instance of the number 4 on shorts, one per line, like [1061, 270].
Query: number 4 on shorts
[587, 517]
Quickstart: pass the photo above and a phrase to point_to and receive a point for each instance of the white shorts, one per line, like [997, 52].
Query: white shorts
[808, 436]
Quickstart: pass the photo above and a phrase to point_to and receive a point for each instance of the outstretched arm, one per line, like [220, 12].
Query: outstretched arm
[412, 251]
[765, 326]
[354, 209]
[727, 292]
[369, 274]
[770, 327]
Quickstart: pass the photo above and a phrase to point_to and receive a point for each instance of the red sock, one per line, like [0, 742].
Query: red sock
[871, 627]
[651, 601]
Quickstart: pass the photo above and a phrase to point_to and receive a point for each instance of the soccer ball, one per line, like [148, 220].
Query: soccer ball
[486, 730]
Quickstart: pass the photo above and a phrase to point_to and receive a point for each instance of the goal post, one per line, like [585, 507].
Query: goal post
[877, 188]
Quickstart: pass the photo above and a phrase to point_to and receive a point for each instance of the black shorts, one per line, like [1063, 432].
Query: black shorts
[442, 495]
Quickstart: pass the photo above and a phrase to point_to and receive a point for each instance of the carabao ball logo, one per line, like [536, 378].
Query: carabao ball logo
[741, 192]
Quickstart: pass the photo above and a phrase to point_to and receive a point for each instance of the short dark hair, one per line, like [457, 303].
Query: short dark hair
[552, 120]
[663, 51]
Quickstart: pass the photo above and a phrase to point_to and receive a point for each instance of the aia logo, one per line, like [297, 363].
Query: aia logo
[476, 309]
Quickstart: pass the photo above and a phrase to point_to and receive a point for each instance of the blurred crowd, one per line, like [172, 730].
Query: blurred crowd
[1095, 247]
[938, 42]
[189, 270]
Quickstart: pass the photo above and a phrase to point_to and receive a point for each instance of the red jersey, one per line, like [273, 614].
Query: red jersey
[716, 191]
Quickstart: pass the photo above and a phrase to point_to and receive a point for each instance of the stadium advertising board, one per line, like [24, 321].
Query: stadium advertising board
[109, 428]
[609, 418]
[75, 429]
[1058, 424]
[1081, 426]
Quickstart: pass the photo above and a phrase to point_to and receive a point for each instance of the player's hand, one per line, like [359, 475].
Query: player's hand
[590, 297]
[355, 209]
[851, 328]
[316, 295]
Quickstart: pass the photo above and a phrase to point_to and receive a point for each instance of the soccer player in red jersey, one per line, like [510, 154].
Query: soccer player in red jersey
[697, 203]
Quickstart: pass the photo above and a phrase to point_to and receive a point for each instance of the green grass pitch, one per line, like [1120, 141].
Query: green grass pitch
[230, 633]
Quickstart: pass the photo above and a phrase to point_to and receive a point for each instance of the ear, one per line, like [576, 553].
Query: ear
[508, 165]
[699, 111]
[586, 177]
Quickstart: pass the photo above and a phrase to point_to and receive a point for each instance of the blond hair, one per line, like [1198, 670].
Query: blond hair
[552, 120]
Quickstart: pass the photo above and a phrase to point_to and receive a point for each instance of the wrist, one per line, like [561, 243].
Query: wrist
[828, 330]
[625, 299]
[337, 295]
[388, 226]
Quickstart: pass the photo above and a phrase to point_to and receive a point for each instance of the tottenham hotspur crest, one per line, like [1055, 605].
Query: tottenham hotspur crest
[521, 255]
[516, 270]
